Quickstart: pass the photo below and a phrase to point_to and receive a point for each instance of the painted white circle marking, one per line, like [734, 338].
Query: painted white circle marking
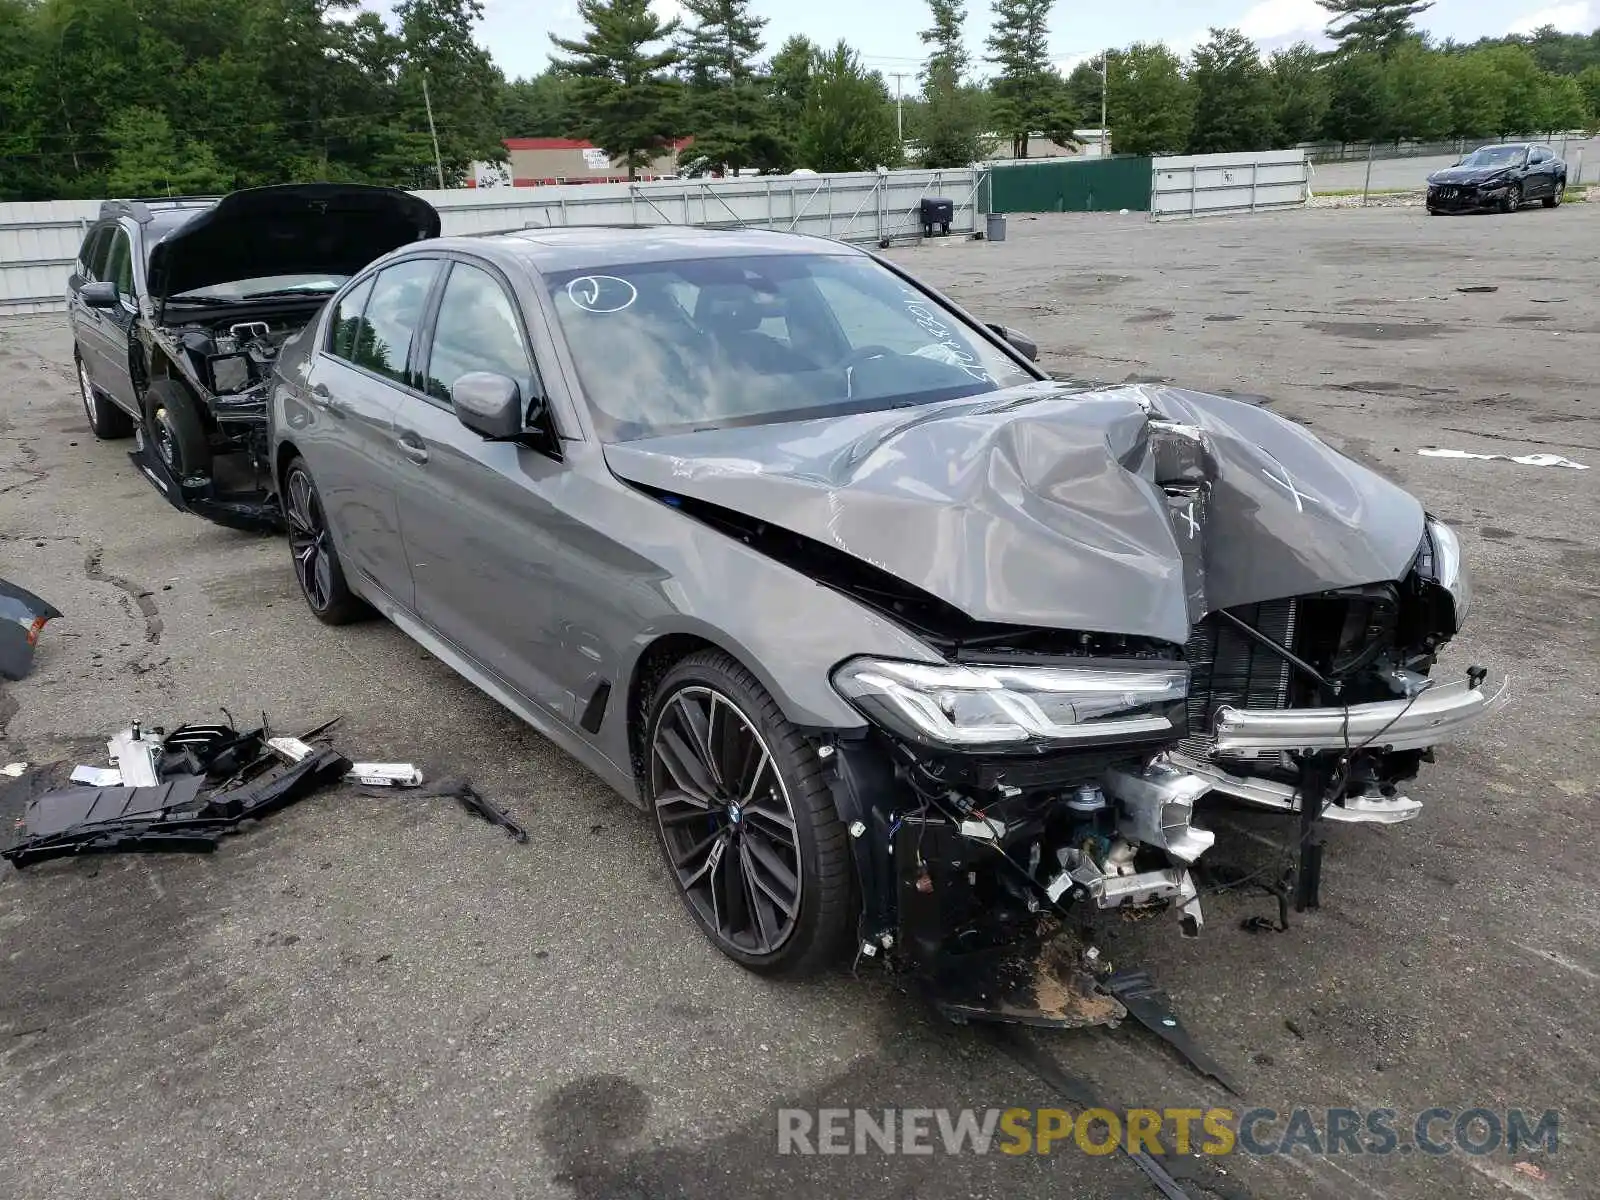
[601, 293]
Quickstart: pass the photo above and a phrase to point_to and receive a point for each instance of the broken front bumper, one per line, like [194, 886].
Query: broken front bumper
[1438, 713]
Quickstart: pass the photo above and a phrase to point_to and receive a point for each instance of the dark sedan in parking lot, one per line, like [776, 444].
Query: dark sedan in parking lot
[1502, 178]
[907, 648]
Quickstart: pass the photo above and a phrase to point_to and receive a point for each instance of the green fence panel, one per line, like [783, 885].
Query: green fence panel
[1072, 185]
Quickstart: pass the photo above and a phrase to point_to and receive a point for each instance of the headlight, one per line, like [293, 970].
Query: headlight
[1449, 568]
[952, 705]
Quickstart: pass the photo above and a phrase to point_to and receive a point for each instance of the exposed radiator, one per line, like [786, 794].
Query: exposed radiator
[1226, 667]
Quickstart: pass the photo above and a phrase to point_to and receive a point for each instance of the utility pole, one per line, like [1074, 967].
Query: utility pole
[433, 133]
[899, 116]
[1105, 88]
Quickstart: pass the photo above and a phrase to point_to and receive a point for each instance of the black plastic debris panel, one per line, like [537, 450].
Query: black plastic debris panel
[22, 616]
[212, 780]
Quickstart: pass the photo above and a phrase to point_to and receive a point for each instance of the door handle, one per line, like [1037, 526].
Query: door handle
[411, 446]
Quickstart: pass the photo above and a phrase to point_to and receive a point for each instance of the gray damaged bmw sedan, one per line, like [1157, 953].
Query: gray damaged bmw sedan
[908, 650]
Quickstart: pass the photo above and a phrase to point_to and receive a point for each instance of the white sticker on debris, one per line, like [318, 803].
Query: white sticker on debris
[1527, 460]
[14, 770]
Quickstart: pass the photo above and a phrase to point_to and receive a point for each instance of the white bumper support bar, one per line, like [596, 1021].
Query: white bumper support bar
[1439, 713]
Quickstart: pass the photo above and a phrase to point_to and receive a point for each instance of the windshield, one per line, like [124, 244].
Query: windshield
[320, 284]
[1494, 156]
[668, 347]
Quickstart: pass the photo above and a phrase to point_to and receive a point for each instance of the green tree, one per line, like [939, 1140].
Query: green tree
[1372, 26]
[950, 122]
[148, 159]
[1151, 103]
[622, 97]
[848, 124]
[729, 111]
[1299, 94]
[1418, 87]
[1565, 105]
[1082, 91]
[1589, 81]
[1522, 90]
[1234, 104]
[1476, 101]
[540, 106]
[789, 78]
[1027, 91]
[1358, 99]
[462, 83]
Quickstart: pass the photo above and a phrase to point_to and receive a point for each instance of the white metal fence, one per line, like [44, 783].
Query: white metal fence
[1214, 184]
[38, 242]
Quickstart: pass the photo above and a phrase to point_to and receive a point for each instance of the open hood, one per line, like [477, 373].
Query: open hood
[1043, 506]
[296, 228]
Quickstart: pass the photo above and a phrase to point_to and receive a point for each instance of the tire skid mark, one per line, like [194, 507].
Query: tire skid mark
[142, 600]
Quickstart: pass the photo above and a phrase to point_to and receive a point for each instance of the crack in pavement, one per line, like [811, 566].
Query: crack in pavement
[143, 600]
[30, 459]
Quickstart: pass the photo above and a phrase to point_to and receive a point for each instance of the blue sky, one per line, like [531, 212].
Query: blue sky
[885, 31]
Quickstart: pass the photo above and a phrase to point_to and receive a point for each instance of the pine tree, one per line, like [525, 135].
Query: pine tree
[1365, 26]
[730, 114]
[950, 121]
[622, 98]
[1028, 92]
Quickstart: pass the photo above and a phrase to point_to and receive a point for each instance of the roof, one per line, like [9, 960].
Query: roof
[557, 143]
[575, 247]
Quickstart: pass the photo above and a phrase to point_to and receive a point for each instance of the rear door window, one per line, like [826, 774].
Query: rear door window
[344, 330]
[392, 315]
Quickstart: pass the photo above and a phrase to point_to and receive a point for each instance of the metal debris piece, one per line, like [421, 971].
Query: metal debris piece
[136, 754]
[1479, 289]
[397, 775]
[22, 616]
[100, 777]
[1527, 460]
[1151, 1007]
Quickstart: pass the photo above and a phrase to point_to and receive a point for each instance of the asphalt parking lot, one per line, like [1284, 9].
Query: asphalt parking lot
[388, 998]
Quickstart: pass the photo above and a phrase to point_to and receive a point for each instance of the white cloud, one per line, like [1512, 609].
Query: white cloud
[667, 10]
[1283, 20]
[1569, 18]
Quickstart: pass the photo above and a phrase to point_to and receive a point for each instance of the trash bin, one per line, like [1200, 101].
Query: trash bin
[997, 227]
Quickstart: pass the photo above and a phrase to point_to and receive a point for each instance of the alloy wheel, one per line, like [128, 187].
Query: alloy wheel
[308, 540]
[726, 820]
[1513, 199]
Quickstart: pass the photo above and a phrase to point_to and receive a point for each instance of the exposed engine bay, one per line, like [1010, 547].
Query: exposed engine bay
[235, 357]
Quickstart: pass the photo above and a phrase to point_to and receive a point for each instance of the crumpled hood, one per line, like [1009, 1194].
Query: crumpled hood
[291, 229]
[1468, 174]
[1041, 505]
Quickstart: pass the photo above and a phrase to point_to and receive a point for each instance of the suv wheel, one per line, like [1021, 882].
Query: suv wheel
[746, 821]
[1555, 198]
[106, 421]
[1513, 199]
[173, 428]
[316, 562]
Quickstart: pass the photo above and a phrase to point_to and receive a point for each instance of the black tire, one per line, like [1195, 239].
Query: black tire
[1554, 200]
[762, 923]
[1513, 199]
[311, 550]
[174, 430]
[106, 421]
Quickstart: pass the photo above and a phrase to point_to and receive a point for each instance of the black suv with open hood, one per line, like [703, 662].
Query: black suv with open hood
[178, 307]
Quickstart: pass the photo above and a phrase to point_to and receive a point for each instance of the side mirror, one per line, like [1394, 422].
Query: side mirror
[489, 404]
[1020, 342]
[102, 294]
